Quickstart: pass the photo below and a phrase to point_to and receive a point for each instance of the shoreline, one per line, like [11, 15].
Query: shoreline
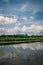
[19, 40]
[12, 43]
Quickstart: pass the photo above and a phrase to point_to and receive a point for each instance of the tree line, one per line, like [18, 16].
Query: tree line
[17, 35]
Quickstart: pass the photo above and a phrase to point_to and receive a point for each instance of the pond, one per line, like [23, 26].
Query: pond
[22, 54]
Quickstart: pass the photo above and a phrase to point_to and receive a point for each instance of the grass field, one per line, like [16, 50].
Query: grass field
[16, 40]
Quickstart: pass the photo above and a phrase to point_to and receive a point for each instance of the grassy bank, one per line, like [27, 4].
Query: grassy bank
[18, 40]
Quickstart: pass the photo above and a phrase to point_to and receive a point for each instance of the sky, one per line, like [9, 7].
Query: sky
[21, 17]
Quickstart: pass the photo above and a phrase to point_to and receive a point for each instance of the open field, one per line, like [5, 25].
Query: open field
[16, 40]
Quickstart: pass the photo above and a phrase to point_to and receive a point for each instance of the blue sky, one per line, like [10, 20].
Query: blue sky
[21, 17]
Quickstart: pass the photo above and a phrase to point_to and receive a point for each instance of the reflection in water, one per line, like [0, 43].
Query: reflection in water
[22, 54]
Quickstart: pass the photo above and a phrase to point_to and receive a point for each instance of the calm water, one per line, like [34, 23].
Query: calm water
[22, 54]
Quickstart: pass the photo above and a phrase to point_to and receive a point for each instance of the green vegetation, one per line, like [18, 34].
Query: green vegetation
[15, 39]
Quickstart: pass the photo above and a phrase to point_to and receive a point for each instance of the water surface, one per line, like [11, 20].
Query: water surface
[22, 54]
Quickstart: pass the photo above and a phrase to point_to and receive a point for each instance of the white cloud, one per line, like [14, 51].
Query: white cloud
[24, 7]
[24, 29]
[13, 30]
[24, 18]
[35, 11]
[7, 20]
[31, 17]
[32, 29]
[18, 24]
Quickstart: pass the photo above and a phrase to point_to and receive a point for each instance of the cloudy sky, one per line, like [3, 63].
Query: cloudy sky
[21, 17]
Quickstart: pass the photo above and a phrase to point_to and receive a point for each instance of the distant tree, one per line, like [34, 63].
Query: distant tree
[26, 34]
[3, 35]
